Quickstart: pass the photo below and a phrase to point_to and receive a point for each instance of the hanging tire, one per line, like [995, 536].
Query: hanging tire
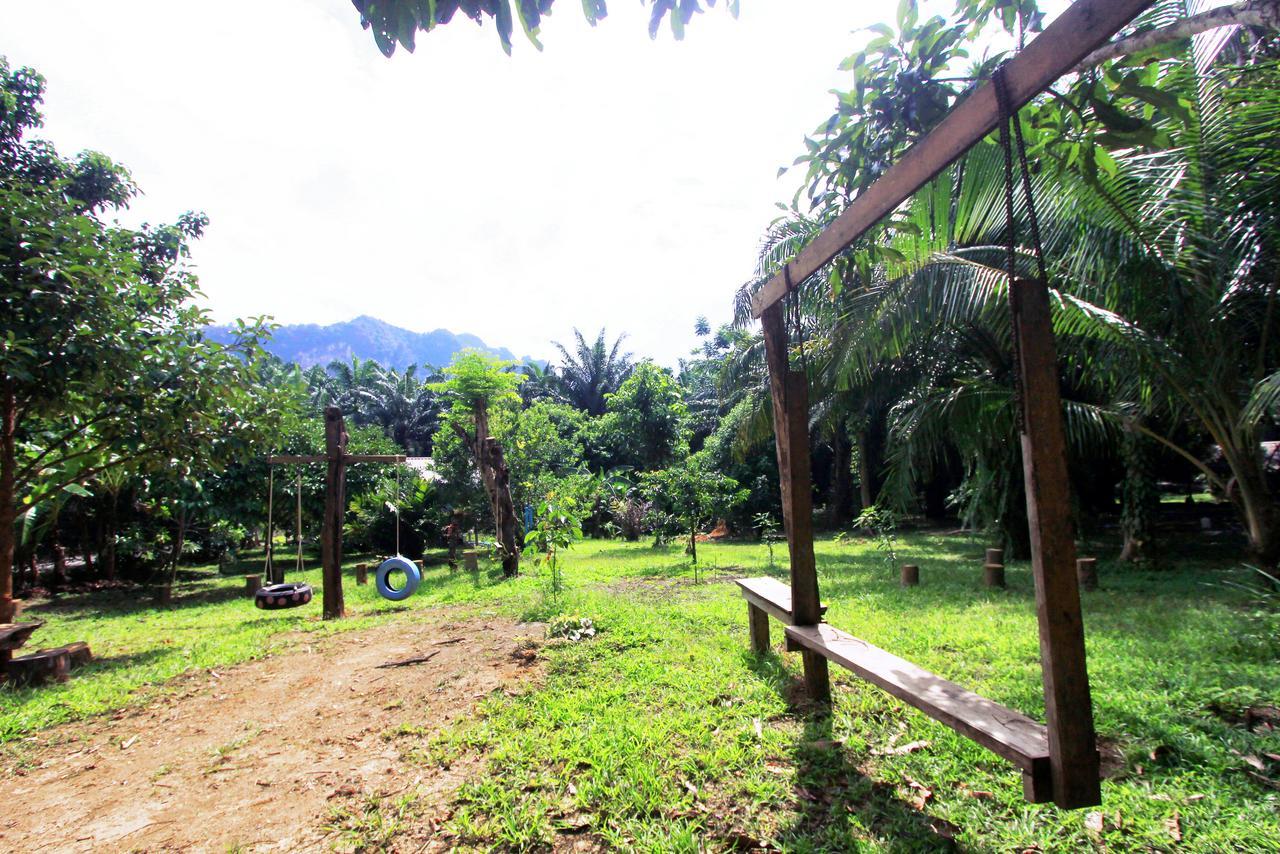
[412, 578]
[275, 597]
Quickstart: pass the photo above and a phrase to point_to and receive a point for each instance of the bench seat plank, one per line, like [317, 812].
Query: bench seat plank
[1011, 734]
[771, 595]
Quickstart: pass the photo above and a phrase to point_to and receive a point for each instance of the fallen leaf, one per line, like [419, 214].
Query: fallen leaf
[129, 743]
[981, 794]
[1193, 798]
[1094, 822]
[1254, 762]
[759, 728]
[1173, 824]
[909, 747]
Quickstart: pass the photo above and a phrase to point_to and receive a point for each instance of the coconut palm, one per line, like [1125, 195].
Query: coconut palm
[591, 371]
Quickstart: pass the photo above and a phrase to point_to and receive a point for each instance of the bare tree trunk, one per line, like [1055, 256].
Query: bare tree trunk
[497, 482]
[1139, 498]
[504, 511]
[8, 508]
[840, 501]
[1258, 506]
[865, 486]
[108, 559]
[178, 542]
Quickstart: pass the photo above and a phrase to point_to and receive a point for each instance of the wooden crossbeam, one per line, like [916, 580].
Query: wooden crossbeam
[1084, 26]
[283, 459]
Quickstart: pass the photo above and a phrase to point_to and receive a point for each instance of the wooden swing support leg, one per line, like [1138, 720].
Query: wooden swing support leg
[1073, 751]
[335, 445]
[790, 392]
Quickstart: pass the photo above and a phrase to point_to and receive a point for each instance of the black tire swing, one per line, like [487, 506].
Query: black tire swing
[397, 563]
[279, 596]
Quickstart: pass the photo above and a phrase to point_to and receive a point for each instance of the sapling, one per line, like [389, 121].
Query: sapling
[881, 525]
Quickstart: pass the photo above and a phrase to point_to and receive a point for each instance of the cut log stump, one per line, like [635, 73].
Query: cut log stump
[252, 584]
[48, 665]
[1087, 572]
[993, 575]
[469, 560]
[910, 575]
[362, 573]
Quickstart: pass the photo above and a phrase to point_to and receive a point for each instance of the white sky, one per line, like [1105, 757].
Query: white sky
[607, 181]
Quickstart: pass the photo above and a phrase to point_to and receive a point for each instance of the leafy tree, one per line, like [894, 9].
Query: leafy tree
[694, 493]
[644, 426]
[395, 22]
[476, 386]
[103, 361]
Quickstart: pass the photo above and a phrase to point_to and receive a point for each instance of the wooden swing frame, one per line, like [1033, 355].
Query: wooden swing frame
[335, 490]
[1059, 760]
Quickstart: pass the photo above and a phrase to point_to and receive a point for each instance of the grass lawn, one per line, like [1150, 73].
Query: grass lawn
[664, 733]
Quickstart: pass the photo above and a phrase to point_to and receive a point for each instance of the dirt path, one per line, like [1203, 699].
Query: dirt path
[255, 757]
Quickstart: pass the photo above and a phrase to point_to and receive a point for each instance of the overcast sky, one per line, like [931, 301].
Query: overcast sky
[610, 180]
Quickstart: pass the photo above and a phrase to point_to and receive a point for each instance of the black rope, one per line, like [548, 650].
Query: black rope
[1006, 116]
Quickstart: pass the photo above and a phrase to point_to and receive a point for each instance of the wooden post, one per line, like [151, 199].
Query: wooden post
[362, 573]
[469, 560]
[758, 620]
[910, 575]
[995, 556]
[252, 584]
[993, 574]
[1087, 572]
[1073, 752]
[790, 392]
[335, 446]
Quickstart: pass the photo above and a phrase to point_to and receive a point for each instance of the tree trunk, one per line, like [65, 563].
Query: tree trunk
[504, 511]
[107, 563]
[8, 497]
[840, 501]
[1139, 498]
[865, 487]
[1258, 506]
[178, 542]
[497, 482]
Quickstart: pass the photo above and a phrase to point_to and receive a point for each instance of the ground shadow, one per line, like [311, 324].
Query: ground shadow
[835, 802]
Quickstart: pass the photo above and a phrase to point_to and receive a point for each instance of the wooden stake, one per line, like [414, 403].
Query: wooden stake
[335, 445]
[1073, 751]
[790, 391]
[993, 574]
[1087, 572]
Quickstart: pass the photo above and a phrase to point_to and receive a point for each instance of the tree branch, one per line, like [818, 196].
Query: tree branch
[1252, 13]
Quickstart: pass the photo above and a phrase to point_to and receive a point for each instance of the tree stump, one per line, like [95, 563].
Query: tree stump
[1087, 572]
[47, 665]
[469, 560]
[252, 584]
[362, 573]
[993, 574]
[910, 575]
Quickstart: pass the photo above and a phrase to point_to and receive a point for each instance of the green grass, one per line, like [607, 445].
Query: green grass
[664, 733]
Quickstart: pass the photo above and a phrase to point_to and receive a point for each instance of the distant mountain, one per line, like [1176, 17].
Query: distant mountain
[369, 338]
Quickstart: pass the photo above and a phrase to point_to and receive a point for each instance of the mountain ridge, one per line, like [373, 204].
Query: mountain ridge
[366, 337]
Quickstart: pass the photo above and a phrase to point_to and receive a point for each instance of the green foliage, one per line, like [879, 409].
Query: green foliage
[477, 381]
[395, 22]
[643, 426]
[693, 494]
[881, 525]
[589, 373]
[557, 526]
[571, 627]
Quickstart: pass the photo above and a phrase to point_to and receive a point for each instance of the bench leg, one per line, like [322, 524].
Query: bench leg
[758, 620]
[817, 681]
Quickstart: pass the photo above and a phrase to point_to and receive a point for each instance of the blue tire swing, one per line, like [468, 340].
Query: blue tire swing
[277, 597]
[397, 563]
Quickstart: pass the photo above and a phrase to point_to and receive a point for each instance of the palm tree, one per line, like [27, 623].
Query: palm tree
[592, 371]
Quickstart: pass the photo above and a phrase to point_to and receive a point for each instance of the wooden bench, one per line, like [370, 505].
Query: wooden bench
[1011, 734]
[767, 597]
